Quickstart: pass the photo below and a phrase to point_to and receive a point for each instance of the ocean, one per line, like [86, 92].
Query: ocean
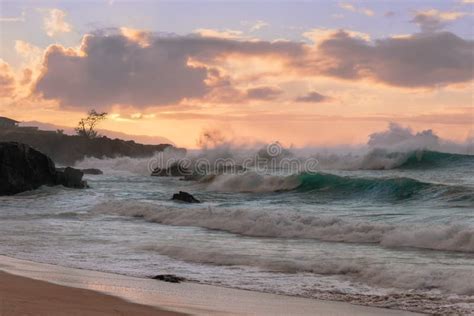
[386, 229]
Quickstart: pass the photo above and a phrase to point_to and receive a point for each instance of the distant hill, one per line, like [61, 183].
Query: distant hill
[67, 149]
[142, 139]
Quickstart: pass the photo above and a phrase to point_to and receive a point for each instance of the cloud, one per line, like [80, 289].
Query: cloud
[321, 34]
[54, 22]
[31, 53]
[114, 69]
[255, 25]
[136, 35]
[389, 14]
[399, 136]
[421, 60]
[434, 20]
[7, 80]
[313, 97]
[263, 93]
[142, 69]
[20, 18]
[353, 8]
[258, 25]
[26, 76]
[228, 34]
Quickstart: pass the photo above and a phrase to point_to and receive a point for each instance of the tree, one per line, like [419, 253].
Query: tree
[86, 126]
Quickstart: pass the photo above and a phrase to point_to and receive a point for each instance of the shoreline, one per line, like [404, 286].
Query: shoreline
[24, 296]
[162, 298]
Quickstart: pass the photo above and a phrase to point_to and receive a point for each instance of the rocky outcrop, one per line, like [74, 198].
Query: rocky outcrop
[92, 171]
[66, 149]
[175, 170]
[23, 168]
[71, 178]
[185, 197]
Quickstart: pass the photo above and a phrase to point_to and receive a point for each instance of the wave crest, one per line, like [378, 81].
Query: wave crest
[361, 270]
[284, 224]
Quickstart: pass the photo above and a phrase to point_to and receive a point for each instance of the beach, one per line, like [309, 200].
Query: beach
[29, 288]
[24, 296]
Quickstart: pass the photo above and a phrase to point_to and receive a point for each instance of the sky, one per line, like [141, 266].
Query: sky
[305, 73]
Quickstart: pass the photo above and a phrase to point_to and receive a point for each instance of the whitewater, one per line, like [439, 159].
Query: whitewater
[382, 228]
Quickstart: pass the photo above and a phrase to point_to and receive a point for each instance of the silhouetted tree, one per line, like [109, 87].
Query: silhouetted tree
[86, 126]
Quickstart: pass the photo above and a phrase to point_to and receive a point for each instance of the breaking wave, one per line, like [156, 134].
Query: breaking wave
[379, 159]
[261, 222]
[361, 270]
[325, 185]
[128, 165]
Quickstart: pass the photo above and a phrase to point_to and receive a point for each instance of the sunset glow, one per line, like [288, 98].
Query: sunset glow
[332, 78]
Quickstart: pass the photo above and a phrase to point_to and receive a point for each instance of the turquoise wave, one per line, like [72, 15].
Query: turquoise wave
[399, 188]
[433, 159]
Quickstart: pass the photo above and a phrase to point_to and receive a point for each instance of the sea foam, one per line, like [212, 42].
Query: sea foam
[260, 222]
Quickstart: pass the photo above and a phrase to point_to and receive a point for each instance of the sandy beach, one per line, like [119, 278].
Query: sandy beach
[29, 288]
[24, 296]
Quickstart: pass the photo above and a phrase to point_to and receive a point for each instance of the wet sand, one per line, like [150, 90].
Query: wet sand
[23, 296]
[29, 288]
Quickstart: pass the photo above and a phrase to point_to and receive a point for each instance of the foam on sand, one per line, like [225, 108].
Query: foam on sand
[190, 298]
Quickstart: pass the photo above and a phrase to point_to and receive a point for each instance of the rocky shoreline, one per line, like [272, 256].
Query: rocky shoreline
[67, 149]
[23, 168]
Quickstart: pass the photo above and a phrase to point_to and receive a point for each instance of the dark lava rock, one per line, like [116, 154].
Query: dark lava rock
[175, 170]
[169, 278]
[92, 171]
[185, 197]
[85, 171]
[23, 168]
[71, 178]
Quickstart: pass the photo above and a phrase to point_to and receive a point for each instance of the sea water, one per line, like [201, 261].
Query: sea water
[400, 236]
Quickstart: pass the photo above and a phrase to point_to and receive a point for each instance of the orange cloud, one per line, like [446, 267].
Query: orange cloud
[353, 8]
[7, 80]
[55, 22]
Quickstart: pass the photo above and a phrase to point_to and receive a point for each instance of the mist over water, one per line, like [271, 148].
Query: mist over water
[386, 224]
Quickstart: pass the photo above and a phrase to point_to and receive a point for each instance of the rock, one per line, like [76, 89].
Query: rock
[85, 171]
[92, 171]
[185, 197]
[175, 170]
[169, 278]
[23, 168]
[71, 178]
[67, 150]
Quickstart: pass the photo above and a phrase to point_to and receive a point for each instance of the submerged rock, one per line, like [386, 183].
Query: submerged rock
[23, 168]
[169, 278]
[185, 197]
